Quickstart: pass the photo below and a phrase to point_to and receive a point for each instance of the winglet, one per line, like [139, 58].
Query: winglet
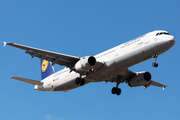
[5, 44]
[164, 87]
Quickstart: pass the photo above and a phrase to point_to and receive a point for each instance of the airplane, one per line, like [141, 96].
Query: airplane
[109, 66]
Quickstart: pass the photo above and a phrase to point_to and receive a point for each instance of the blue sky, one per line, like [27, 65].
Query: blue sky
[81, 28]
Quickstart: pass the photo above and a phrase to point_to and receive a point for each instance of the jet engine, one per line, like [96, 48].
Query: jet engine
[85, 63]
[140, 79]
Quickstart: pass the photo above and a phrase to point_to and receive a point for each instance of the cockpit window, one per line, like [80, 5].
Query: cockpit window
[162, 33]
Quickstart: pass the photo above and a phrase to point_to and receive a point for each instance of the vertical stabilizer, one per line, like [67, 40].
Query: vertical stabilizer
[46, 69]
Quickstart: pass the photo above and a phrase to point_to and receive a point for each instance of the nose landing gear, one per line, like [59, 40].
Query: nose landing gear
[154, 64]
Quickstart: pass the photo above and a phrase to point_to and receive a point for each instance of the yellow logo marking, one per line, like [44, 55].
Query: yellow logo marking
[44, 65]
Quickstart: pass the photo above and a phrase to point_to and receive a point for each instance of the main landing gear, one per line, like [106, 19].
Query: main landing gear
[79, 81]
[116, 90]
[154, 64]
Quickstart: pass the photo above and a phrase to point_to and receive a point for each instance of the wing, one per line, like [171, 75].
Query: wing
[124, 76]
[34, 82]
[55, 58]
[154, 83]
[127, 75]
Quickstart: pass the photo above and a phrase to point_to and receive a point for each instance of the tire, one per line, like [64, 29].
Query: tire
[82, 82]
[77, 81]
[118, 92]
[156, 65]
[114, 90]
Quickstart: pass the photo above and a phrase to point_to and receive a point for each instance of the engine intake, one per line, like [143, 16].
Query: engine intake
[85, 63]
[92, 60]
[140, 79]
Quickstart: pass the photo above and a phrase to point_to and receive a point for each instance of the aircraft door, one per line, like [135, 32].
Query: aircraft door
[146, 39]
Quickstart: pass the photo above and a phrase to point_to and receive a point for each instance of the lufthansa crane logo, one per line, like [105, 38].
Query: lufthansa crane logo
[44, 65]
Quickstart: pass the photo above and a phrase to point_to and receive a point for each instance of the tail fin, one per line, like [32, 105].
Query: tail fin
[46, 69]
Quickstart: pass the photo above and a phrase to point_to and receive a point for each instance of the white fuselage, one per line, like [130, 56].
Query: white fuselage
[116, 61]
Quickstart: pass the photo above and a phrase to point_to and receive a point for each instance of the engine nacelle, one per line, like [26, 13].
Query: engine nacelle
[140, 79]
[85, 63]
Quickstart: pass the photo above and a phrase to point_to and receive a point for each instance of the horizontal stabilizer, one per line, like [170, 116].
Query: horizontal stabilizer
[34, 82]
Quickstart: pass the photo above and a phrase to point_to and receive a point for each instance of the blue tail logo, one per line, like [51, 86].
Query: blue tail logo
[46, 69]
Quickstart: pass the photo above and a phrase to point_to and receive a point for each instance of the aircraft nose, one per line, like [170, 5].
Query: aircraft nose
[169, 39]
[172, 39]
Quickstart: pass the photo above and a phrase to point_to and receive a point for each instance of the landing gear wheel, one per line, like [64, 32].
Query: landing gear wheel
[77, 81]
[82, 82]
[155, 64]
[118, 91]
[113, 90]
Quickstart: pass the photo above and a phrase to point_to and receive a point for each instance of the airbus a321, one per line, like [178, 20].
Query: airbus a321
[109, 66]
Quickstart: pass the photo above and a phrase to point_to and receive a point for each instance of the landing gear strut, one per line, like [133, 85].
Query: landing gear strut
[154, 64]
[80, 81]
